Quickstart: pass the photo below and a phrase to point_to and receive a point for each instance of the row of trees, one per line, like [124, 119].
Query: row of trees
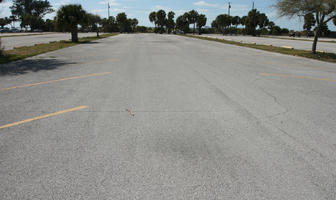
[7, 20]
[317, 14]
[69, 18]
[165, 22]
[255, 23]
[30, 12]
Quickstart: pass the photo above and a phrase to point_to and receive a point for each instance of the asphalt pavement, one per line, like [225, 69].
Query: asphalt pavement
[146, 116]
[30, 40]
[329, 47]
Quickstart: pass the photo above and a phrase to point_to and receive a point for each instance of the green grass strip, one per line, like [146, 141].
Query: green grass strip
[328, 57]
[20, 53]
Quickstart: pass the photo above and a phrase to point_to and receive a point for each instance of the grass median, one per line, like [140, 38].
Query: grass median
[328, 57]
[20, 53]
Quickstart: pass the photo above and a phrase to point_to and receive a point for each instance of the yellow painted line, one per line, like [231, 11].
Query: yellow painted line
[55, 81]
[299, 77]
[43, 117]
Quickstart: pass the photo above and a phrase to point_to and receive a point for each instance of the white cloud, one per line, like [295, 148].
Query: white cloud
[205, 4]
[4, 9]
[111, 2]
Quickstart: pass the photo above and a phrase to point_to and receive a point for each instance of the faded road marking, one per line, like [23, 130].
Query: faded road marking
[299, 77]
[43, 117]
[55, 81]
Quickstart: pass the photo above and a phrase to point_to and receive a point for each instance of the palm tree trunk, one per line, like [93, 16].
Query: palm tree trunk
[316, 36]
[74, 35]
[194, 28]
[1, 49]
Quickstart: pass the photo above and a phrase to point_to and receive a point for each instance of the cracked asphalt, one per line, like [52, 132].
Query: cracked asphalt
[145, 116]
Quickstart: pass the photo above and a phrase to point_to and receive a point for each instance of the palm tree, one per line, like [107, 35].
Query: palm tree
[182, 23]
[170, 22]
[69, 17]
[193, 15]
[94, 21]
[133, 22]
[122, 22]
[161, 19]
[152, 18]
[222, 22]
[236, 21]
[201, 21]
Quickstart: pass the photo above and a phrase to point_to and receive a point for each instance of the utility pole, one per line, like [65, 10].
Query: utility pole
[230, 18]
[229, 8]
[253, 5]
[108, 10]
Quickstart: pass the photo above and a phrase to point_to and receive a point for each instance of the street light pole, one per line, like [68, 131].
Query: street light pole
[108, 10]
[229, 8]
[230, 17]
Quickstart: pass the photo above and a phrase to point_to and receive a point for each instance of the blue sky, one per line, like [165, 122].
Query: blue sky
[140, 9]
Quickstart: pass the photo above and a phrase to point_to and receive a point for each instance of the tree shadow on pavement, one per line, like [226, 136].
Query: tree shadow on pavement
[31, 65]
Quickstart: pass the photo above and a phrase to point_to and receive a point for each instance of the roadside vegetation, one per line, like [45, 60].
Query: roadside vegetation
[328, 57]
[31, 15]
[29, 51]
[165, 23]
[318, 12]
[73, 18]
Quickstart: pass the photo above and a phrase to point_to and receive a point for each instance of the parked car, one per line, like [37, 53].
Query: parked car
[179, 32]
[15, 30]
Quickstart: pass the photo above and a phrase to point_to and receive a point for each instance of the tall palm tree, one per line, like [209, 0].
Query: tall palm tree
[201, 21]
[161, 19]
[152, 18]
[69, 17]
[193, 15]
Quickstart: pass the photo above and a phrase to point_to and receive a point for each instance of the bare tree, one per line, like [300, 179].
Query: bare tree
[323, 10]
